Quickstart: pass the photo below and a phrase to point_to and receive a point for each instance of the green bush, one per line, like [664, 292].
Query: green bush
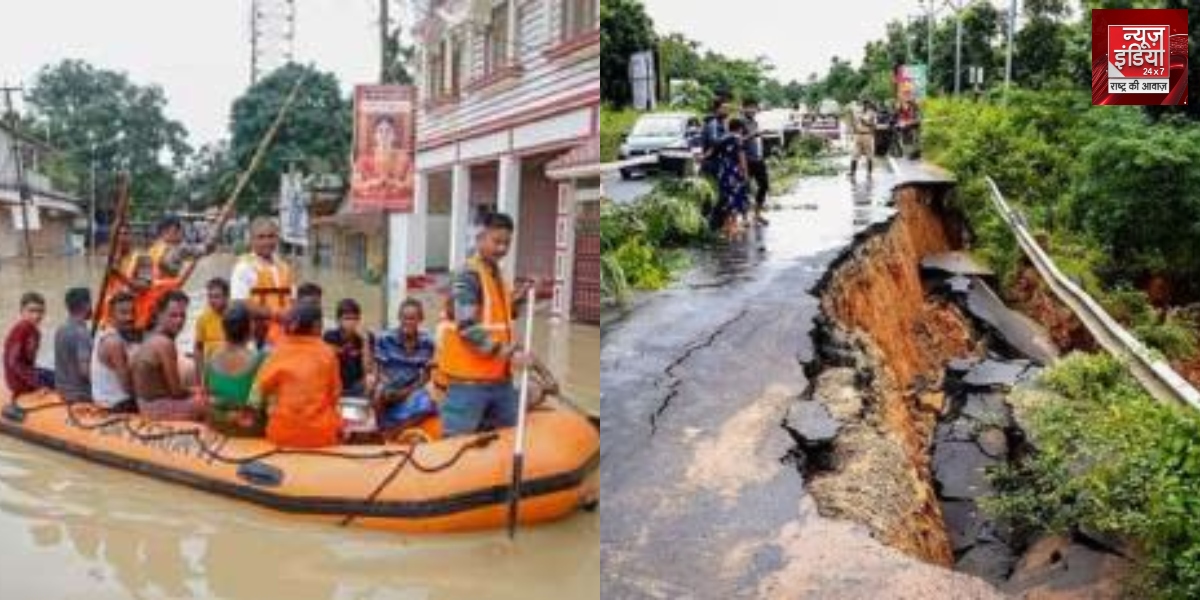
[1113, 459]
[642, 266]
[614, 124]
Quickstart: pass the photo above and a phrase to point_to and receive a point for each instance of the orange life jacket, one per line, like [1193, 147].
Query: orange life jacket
[272, 290]
[456, 357]
[126, 267]
[273, 284]
[144, 304]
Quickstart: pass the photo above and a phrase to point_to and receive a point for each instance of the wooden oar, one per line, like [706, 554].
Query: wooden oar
[514, 492]
[115, 233]
[244, 178]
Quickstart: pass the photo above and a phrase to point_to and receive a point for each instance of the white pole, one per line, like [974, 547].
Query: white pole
[519, 445]
[958, 49]
[1012, 20]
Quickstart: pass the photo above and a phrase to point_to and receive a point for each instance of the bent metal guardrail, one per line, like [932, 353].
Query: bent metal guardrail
[1152, 371]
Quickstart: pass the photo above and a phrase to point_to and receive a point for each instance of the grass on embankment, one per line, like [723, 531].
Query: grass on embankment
[1111, 459]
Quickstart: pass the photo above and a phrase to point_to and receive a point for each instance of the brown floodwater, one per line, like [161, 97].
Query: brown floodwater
[73, 529]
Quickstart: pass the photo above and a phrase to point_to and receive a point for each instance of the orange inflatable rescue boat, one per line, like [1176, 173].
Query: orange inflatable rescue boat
[455, 484]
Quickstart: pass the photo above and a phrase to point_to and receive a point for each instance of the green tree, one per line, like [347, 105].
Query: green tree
[81, 106]
[209, 176]
[400, 59]
[624, 29]
[843, 83]
[315, 133]
[1041, 46]
[679, 57]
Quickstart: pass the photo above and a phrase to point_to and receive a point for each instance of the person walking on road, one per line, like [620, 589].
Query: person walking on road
[863, 122]
[711, 134]
[755, 160]
[732, 177]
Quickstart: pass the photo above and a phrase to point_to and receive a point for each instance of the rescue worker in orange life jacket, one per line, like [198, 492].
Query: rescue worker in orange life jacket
[262, 279]
[480, 351]
[169, 252]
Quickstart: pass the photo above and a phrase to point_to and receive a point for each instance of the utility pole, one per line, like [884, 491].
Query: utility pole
[1012, 24]
[22, 186]
[930, 13]
[384, 63]
[91, 229]
[958, 48]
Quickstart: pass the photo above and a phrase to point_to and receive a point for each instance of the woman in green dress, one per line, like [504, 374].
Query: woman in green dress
[229, 375]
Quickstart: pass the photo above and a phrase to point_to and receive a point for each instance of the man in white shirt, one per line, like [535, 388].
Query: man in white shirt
[262, 279]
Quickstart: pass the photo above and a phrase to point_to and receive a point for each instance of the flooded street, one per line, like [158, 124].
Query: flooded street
[698, 499]
[72, 529]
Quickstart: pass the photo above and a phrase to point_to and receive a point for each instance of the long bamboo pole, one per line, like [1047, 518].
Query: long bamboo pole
[116, 234]
[244, 178]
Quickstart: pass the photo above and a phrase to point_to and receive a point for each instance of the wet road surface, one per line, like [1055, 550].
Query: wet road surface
[697, 501]
[624, 191]
[696, 383]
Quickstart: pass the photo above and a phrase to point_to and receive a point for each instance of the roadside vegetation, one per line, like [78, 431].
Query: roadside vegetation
[644, 243]
[1113, 461]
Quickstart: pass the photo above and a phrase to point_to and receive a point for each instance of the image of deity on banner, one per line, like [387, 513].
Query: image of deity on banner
[383, 148]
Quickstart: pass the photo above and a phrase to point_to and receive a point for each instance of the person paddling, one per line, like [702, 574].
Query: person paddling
[481, 351]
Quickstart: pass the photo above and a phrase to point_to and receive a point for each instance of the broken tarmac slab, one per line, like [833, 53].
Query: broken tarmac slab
[991, 562]
[1021, 333]
[811, 424]
[994, 373]
[959, 469]
[955, 263]
[989, 409]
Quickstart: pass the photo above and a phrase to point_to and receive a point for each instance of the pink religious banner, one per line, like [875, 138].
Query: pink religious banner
[384, 148]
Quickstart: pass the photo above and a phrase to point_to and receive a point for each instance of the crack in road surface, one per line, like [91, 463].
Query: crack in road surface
[673, 387]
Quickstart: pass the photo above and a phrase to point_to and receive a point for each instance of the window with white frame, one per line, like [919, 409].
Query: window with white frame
[495, 46]
[578, 18]
[436, 72]
[456, 66]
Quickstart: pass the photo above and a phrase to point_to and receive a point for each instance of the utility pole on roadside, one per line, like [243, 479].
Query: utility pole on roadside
[1012, 24]
[22, 186]
[384, 65]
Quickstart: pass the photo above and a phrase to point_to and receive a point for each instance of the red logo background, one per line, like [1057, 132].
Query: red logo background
[1175, 18]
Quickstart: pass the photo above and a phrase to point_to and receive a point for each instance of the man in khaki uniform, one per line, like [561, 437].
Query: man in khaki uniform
[863, 122]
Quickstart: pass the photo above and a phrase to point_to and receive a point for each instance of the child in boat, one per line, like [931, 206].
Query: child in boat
[353, 351]
[210, 330]
[73, 348]
[21, 372]
[229, 373]
[405, 358]
[300, 385]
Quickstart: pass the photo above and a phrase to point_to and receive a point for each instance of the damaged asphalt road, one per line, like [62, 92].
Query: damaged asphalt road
[697, 381]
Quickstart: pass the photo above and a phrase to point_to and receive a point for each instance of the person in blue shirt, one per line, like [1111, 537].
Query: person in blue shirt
[405, 359]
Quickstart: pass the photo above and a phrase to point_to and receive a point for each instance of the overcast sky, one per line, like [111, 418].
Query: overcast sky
[790, 33]
[197, 50]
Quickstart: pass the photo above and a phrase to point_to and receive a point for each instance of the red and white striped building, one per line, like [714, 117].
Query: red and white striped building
[509, 105]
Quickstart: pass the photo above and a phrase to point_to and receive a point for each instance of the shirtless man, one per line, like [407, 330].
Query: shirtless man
[157, 382]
